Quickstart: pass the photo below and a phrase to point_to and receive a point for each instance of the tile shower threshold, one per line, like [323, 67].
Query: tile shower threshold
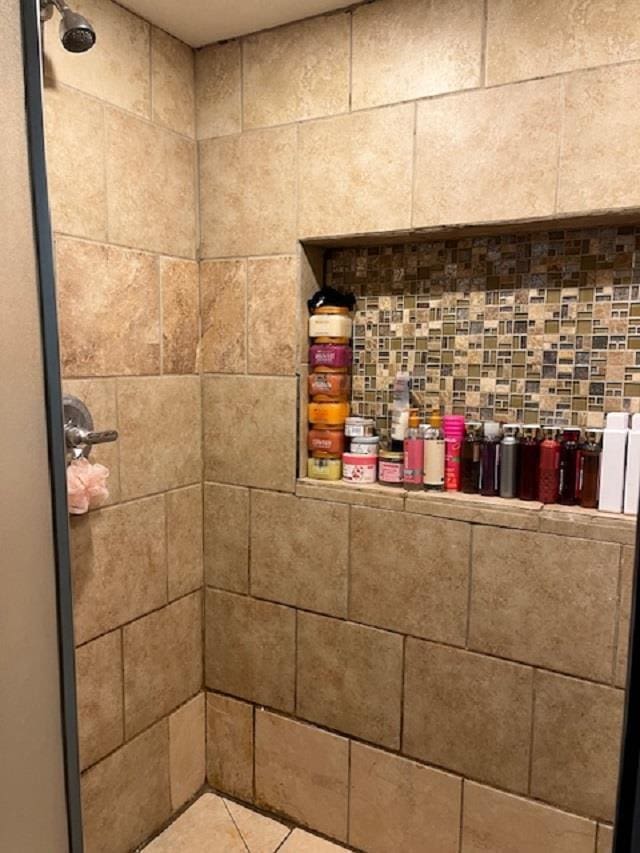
[476, 509]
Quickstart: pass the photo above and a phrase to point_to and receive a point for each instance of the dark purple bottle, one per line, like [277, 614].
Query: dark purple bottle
[529, 462]
[569, 466]
[490, 460]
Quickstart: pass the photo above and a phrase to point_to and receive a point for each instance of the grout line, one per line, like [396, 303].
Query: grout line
[470, 587]
[560, 142]
[246, 846]
[296, 662]
[532, 730]
[616, 629]
[165, 518]
[424, 640]
[284, 840]
[350, 98]
[247, 297]
[414, 157]
[403, 683]
[124, 722]
[139, 617]
[461, 824]
[253, 753]
[160, 312]
[484, 43]
[112, 244]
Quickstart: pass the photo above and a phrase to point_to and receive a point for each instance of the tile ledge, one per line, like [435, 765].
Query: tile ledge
[501, 512]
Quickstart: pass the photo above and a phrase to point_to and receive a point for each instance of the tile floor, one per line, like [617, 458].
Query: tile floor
[216, 825]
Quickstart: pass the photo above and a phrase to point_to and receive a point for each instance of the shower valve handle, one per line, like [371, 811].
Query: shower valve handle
[76, 436]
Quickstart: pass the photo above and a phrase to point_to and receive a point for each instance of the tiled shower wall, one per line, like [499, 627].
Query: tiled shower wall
[333, 627]
[122, 169]
[528, 328]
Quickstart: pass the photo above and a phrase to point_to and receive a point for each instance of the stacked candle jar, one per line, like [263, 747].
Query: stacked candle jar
[330, 356]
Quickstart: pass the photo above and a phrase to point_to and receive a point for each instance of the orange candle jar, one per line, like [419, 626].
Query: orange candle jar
[327, 387]
[330, 322]
[326, 443]
[329, 414]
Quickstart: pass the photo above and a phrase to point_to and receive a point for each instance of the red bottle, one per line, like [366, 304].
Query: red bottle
[569, 466]
[549, 467]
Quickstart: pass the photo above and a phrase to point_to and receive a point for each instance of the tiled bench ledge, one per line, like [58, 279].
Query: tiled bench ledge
[500, 512]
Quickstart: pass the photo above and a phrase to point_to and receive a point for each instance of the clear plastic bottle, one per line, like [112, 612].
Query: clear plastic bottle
[433, 453]
[400, 410]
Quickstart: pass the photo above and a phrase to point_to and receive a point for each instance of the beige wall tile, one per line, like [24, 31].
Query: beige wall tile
[243, 415]
[576, 740]
[350, 678]
[159, 421]
[99, 690]
[250, 649]
[162, 661]
[150, 186]
[74, 126]
[626, 586]
[226, 537]
[223, 294]
[299, 552]
[172, 83]
[502, 823]
[230, 746]
[397, 804]
[588, 524]
[464, 141]
[126, 798]
[186, 750]
[368, 158]
[410, 573]
[546, 600]
[99, 395]
[248, 193]
[468, 713]
[116, 69]
[605, 839]
[218, 85]
[599, 166]
[272, 319]
[184, 540]
[296, 72]
[406, 49]
[302, 772]
[179, 281]
[547, 37]
[119, 565]
[108, 309]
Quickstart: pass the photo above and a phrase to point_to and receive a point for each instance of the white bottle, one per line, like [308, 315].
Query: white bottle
[632, 480]
[612, 464]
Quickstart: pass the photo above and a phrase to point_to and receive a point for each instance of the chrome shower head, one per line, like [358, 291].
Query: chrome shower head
[76, 33]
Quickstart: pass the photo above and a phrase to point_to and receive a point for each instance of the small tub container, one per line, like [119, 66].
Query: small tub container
[367, 445]
[327, 443]
[328, 387]
[391, 468]
[359, 469]
[324, 469]
[324, 340]
[330, 326]
[330, 355]
[358, 427]
[328, 414]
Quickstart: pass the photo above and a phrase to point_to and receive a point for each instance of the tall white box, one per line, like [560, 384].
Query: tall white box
[612, 466]
[632, 479]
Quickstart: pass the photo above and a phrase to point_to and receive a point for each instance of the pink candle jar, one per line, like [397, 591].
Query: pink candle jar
[330, 355]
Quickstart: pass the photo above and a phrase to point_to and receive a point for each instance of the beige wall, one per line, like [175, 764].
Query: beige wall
[121, 162]
[32, 784]
[440, 648]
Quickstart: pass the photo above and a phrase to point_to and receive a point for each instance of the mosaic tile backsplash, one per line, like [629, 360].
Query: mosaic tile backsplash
[539, 327]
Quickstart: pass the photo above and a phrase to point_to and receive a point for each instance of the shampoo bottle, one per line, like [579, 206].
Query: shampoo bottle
[614, 451]
[413, 454]
[433, 454]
